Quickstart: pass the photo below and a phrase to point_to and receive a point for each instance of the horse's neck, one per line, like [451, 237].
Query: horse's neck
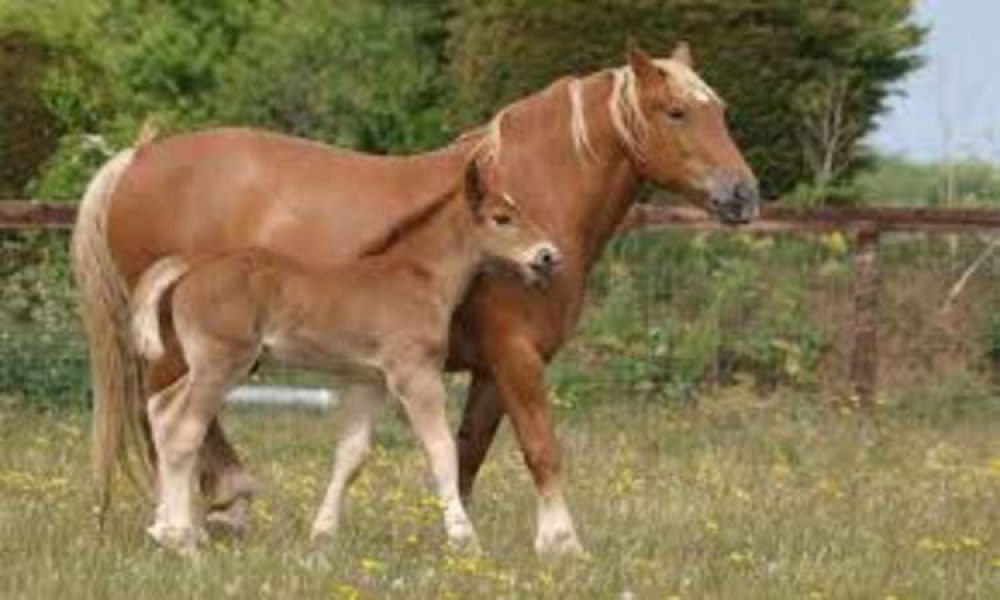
[440, 247]
[588, 186]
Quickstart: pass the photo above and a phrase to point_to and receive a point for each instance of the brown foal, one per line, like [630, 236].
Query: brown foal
[379, 326]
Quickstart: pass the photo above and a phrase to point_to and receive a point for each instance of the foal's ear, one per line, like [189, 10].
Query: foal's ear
[474, 189]
[642, 65]
[682, 54]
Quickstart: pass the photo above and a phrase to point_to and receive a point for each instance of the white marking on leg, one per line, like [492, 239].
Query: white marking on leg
[423, 398]
[178, 433]
[556, 534]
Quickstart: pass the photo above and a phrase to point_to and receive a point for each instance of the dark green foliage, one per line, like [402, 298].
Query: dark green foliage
[42, 358]
[30, 132]
[366, 75]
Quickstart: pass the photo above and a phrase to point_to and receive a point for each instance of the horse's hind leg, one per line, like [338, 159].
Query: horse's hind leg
[226, 483]
[480, 421]
[423, 396]
[362, 403]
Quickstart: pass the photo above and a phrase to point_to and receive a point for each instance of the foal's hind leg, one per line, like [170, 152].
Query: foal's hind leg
[177, 438]
[179, 421]
[361, 406]
[423, 396]
[160, 530]
[225, 481]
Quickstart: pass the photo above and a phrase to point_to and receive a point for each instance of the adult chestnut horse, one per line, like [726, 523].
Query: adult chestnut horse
[576, 153]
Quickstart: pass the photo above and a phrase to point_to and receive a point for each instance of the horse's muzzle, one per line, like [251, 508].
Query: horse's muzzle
[740, 205]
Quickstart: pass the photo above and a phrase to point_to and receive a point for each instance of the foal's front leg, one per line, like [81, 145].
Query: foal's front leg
[423, 397]
[362, 404]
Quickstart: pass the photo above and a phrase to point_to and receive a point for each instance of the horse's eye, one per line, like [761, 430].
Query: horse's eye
[501, 219]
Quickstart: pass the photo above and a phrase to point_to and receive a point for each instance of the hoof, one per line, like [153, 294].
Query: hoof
[230, 520]
[234, 485]
[184, 542]
[559, 543]
[322, 533]
[465, 542]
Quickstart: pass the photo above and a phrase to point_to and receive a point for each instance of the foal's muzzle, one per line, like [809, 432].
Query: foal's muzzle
[544, 262]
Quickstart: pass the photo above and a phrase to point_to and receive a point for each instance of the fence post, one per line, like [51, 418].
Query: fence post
[864, 358]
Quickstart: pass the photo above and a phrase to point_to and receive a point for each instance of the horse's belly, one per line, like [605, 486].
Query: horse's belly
[211, 193]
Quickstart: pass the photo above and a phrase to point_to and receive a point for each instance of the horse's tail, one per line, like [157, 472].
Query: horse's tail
[146, 304]
[116, 369]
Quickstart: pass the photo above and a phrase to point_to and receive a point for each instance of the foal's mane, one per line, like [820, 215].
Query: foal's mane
[413, 221]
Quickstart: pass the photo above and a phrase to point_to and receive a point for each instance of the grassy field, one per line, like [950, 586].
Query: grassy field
[738, 497]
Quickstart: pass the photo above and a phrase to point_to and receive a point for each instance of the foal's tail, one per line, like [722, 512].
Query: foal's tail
[116, 370]
[146, 304]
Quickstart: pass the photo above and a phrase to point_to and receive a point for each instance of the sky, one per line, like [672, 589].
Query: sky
[950, 108]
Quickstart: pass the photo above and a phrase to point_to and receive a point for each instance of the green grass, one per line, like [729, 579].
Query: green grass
[738, 496]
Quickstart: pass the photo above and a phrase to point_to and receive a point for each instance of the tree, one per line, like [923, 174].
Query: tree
[364, 74]
[30, 132]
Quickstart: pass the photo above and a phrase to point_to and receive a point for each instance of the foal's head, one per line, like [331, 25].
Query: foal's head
[681, 138]
[505, 234]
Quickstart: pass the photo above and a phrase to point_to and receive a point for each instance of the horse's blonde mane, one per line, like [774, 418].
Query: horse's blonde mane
[627, 118]
[626, 114]
[578, 121]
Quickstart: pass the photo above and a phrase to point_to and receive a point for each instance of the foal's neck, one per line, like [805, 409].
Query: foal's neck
[441, 248]
[585, 190]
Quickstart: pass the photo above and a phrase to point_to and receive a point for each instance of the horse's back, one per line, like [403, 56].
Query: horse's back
[213, 191]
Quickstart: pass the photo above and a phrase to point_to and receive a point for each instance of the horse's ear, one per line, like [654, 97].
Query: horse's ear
[642, 65]
[682, 54]
[474, 190]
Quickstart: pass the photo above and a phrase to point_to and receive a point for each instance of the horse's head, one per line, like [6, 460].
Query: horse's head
[677, 127]
[506, 235]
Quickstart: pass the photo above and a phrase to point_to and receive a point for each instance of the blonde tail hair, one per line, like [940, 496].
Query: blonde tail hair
[115, 366]
[146, 304]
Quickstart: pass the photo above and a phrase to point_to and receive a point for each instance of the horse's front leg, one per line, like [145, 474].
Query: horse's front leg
[420, 389]
[518, 371]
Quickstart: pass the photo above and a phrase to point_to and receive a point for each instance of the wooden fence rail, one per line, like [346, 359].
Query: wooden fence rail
[866, 224]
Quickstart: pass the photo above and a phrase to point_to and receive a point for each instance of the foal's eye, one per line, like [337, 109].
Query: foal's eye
[676, 113]
[501, 219]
